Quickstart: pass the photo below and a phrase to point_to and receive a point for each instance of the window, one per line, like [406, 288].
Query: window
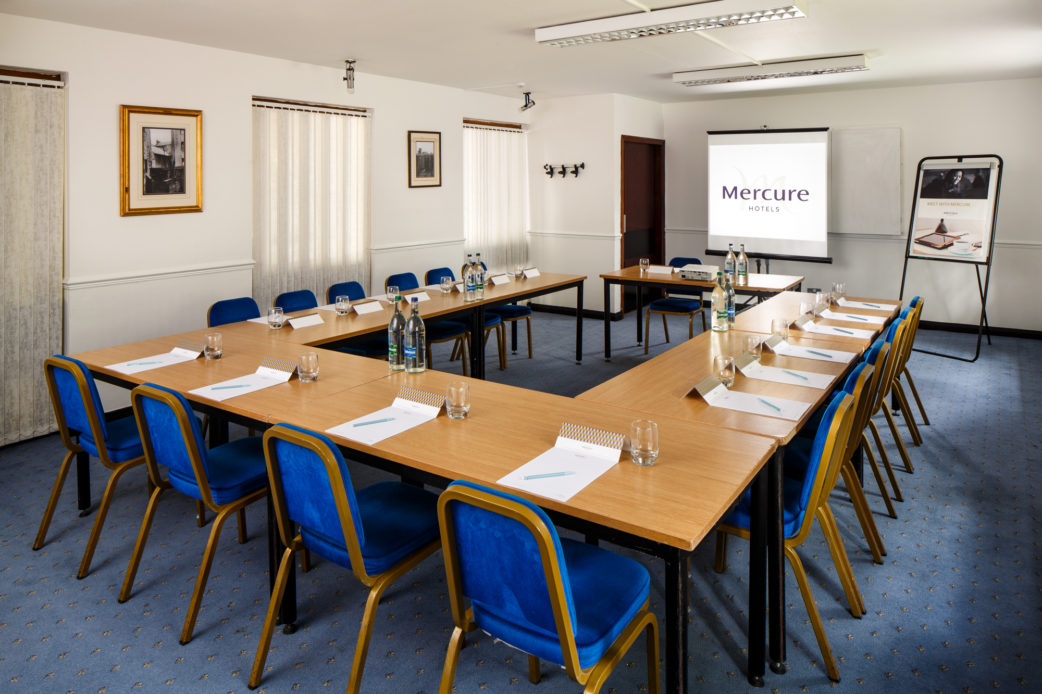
[310, 197]
[495, 193]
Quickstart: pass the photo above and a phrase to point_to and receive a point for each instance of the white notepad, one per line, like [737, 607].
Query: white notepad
[716, 394]
[184, 351]
[812, 327]
[410, 408]
[751, 368]
[579, 456]
[853, 317]
[877, 305]
[270, 373]
[306, 321]
[780, 346]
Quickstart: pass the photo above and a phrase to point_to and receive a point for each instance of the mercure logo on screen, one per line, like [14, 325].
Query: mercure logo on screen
[764, 195]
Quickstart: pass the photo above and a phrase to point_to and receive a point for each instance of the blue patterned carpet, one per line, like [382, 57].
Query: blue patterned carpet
[956, 606]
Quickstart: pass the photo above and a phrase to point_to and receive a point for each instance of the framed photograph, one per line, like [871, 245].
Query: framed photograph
[160, 160]
[954, 213]
[424, 159]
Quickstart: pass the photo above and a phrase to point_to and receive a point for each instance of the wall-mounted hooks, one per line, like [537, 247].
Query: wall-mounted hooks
[563, 169]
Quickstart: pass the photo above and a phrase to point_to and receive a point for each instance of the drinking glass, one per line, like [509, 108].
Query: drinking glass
[780, 327]
[343, 305]
[645, 263]
[754, 346]
[723, 368]
[446, 284]
[805, 308]
[276, 317]
[307, 367]
[519, 271]
[392, 291]
[644, 442]
[819, 300]
[457, 400]
[213, 346]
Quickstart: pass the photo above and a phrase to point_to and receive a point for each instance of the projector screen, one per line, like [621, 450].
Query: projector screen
[769, 189]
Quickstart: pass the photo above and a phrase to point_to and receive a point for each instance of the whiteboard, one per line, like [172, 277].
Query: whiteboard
[866, 181]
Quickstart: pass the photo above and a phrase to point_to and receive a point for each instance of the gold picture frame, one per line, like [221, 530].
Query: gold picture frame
[160, 160]
[424, 159]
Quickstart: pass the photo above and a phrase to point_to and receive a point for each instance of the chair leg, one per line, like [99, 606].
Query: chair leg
[354, 682]
[690, 325]
[274, 604]
[448, 672]
[200, 514]
[99, 519]
[720, 558]
[906, 412]
[897, 439]
[840, 560]
[427, 355]
[528, 326]
[139, 546]
[501, 342]
[654, 683]
[204, 573]
[647, 624]
[305, 560]
[52, 503]
[812, 612]
[915, 394]
[665, 327]
[702, 313]
[465, 358]
[242, 525]
[647, 328]
[886, 460]
[879, 476]
[533, 669]
[864, 513]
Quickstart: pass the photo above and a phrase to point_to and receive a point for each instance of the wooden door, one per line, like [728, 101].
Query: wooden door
[643, 205]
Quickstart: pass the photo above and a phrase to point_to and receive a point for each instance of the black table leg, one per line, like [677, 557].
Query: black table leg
[640, 313]
[776, 563]
[757, 579]
[477, 342]
[513, 337]
[83, 483]
[607, 320]
[675, 637]
[579, 323]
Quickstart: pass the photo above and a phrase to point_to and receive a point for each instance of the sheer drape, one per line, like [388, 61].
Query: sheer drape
[310, 200]
[495, 195]
[32, 180]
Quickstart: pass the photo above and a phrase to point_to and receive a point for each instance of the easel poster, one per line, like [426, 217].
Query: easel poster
[954, 210]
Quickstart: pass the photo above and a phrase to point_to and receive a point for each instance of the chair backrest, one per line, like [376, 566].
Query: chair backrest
[858, 384]
[77, 405]
[311, 486]
[825, 457]
[352, 290]
[503, 554]
[403, 280]
[681, 261]
[915, 311]
[232, 311]
[434, 276]
[172, 436]
[896, 335]
[298, 300]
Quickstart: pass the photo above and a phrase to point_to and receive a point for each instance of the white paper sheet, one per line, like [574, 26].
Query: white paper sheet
[853, 317]
[177, 355]
[531, 272]
[772, 406]
[564, 470]
[820, 329]
[661, 269]
[365, 307]
[327, 307]
[374, 427]
[787, 349]
[501, 279]
[419, 296]
[264, 377]
[306, 321]
[263, 320]
[877, 305]
[792, 377]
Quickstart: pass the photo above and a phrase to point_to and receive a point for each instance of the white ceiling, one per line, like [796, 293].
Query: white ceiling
[489, 45]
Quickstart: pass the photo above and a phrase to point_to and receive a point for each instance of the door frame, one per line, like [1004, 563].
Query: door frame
[659, 233]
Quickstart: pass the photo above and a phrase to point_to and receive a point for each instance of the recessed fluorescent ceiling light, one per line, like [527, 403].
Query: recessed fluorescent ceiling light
[671, 20]
[792, 68]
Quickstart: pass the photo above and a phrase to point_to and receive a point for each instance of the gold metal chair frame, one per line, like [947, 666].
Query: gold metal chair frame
[161, 484]
[902, 370]
[73, 449]
[828, 469]
[665, 328]
[377, 584]
[463, 618]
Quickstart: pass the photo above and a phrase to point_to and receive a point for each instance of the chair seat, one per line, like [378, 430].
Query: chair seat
[123, 441]
[791, 512]
[607, 589]
[236, 469]
[511, 311]
[675, 304]
[492, 319]
[397, 520]
[445, 330]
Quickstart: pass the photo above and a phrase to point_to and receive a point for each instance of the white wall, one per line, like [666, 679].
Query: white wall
[973, 118]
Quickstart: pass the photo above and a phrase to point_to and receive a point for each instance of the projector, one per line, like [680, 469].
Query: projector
[701, 273]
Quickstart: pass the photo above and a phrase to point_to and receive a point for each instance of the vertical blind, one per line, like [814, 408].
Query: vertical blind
[32, 186]
[495, 194]
[310, 198]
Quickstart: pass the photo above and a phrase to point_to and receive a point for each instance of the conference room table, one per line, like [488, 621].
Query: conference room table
[758, 318]
[336, 329]
[664, 510]
[759, 286]
[664, 387]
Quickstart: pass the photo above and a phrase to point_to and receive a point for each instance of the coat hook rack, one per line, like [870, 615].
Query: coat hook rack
[563, 169]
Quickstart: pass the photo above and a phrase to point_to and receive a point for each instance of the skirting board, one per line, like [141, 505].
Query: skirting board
[992, 330]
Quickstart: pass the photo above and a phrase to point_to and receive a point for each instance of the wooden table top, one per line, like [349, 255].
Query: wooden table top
[758, 319]
[759, 283]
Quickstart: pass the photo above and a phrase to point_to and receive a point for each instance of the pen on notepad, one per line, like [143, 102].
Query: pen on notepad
[793, 373]
[544, 475]
[373, 421]
[851, 315]
[237, 385]
[868, 304]
[820, 354]
[848, 332]
[769, 404]
[142, 363]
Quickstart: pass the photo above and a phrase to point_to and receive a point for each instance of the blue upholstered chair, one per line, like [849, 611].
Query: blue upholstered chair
[299, 300]
[803, 500]
[226, 478]
[511, 313]
[916, 304]
[678, 303]
[493, 320]
[232, 311]
[576, 605]
[84, 429]
[434, 276]
[887, 369]
[352, 290]
[437, 330]
[379, 533]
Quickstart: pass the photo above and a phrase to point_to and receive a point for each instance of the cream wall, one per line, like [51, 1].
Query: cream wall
[972, 118]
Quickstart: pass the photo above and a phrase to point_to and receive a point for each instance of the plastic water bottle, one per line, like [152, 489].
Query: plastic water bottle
[729, 261]
[415, 341]
[469, 281]
[479, 277]
[396, 338]
[730, 302]
[719, 305]
[743, 267]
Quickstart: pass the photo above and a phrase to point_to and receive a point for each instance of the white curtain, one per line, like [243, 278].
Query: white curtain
[32, 181]
[495, 194]
[310, 200]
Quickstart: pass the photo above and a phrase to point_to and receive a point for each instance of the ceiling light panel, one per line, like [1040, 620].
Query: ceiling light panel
[671, 20]
[792, 68]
